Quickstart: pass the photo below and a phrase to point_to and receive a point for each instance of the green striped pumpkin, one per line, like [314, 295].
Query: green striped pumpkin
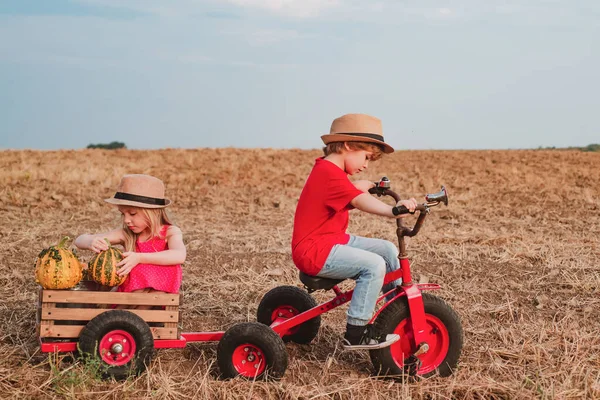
[103, 267]
[57, 267]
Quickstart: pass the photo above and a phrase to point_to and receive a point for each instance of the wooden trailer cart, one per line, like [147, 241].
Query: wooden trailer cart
[85, 320]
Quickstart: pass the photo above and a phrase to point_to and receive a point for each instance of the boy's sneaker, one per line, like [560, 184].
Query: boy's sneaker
[364, 338]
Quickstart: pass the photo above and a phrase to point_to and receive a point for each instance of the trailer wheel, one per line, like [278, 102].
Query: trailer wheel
[121, 340]
[253, 351]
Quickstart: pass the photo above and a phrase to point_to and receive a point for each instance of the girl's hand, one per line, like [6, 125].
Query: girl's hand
[98, 245]
[363, 185]
[129, 261]
[411, 204]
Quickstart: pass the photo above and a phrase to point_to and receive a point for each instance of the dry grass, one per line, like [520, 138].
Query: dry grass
[517, 253]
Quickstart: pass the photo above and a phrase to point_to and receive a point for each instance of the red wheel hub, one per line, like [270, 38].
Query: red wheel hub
[285, 312]
[249, 360]
[436, 336]
[117, 347]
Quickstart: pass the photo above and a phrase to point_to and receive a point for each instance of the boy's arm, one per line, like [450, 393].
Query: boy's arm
[367, 203]
[363, 185]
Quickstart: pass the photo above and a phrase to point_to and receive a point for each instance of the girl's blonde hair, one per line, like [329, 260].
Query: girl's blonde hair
[338, 147]
[155, 217]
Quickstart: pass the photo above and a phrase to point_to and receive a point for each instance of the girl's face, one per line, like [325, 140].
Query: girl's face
[356, 161]
[134, 218]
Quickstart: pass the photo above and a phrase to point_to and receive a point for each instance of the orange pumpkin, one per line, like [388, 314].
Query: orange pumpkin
[103, 267]
[57, 267]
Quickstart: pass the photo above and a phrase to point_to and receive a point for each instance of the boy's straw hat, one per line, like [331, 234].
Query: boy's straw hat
[140, 191]
[357, 128]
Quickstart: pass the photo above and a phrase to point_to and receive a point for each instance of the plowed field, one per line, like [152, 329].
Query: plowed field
[517, 252]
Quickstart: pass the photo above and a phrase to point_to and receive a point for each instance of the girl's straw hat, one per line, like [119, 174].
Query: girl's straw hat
[140, 191]
[357, 128]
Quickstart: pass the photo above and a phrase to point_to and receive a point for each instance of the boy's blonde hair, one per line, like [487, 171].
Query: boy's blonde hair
[338, 147]
[155, 217]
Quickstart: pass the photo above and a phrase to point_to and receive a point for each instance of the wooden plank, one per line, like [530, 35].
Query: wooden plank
[38, 311]
[73, 331]
[86, 314]
[91, 297]
[164, 333]
[173, 324]
[45, 325]
[61, 331]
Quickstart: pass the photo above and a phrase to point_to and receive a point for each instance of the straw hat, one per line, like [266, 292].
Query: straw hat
[357, 128]
[140, 191]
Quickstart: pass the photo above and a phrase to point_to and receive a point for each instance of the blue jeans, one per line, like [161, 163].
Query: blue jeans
[366, 261]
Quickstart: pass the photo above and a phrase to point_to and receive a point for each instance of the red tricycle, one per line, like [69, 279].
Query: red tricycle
[430, 331]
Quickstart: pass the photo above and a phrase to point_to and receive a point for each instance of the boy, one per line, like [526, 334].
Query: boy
[320, 245]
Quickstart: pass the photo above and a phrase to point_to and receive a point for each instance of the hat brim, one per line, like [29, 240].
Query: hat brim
[120, 202]
[340, 137]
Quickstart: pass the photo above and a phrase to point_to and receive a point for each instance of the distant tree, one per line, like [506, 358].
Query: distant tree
[589, 147]
[592, 147]
[108, 146]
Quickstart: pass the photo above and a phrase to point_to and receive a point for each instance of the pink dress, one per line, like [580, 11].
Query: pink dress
[165, 278]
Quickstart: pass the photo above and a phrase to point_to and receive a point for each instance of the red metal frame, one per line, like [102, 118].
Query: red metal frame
[57, 347]
[52, 347]
[283, 326]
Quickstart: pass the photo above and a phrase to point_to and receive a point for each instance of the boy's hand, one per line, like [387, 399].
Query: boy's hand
[411, 204]
[129, 261]
[363, 185]
[98, 245]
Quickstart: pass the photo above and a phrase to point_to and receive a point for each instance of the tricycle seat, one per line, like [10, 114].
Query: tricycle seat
[317, 283]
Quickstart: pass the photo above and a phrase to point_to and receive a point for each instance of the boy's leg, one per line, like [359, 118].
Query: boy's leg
[368, 269]
[385, 249]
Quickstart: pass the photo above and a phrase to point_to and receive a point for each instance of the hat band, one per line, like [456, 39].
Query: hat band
[367, 135]
[140, 199]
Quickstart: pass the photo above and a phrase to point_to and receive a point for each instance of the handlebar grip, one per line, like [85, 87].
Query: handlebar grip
[373, 190]
[399, 210]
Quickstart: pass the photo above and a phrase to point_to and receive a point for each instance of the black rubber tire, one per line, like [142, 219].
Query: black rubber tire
[396, 312]
[102, 324]
[259, 336]
[299, 300]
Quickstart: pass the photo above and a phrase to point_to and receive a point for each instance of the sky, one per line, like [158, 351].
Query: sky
[454, 74]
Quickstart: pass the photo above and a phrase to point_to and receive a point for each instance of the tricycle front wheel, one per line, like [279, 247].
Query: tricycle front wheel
[443, 335]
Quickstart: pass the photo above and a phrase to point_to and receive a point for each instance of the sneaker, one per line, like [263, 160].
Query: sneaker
[367, 339]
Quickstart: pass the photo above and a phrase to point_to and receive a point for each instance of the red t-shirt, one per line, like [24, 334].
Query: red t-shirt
[321, 216]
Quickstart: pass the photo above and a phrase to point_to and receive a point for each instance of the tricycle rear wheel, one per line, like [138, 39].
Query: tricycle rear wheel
[443, 334]
[286, 302]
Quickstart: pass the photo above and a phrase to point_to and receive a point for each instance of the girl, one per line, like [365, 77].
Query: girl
[154, 249]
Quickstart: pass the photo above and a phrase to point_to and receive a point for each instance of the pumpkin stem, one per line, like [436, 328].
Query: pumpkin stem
[63, 241]
[108, 241]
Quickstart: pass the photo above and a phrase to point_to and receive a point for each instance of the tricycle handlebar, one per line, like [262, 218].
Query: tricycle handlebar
[382, 188]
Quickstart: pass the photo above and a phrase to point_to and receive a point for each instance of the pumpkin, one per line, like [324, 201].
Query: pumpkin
[57, 267]
[103, 267]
